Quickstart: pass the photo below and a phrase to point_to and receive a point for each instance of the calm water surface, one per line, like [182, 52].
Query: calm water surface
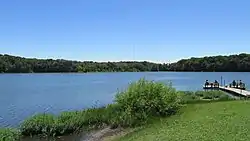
[23, 95]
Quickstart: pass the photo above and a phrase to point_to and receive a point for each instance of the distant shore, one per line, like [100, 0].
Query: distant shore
[16, 64]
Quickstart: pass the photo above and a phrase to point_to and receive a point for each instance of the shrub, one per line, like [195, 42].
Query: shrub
[143, 99]
[9, 135]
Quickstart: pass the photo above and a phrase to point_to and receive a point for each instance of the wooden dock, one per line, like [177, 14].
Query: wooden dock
[236, 91]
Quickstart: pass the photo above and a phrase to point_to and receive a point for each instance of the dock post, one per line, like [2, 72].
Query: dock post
[221, 80]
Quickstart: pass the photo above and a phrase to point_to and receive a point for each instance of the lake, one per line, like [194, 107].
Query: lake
[23, 95]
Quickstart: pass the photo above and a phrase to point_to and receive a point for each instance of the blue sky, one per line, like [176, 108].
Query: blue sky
[113, 30]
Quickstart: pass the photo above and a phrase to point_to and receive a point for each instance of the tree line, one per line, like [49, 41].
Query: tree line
[231, 63]
[15, 64]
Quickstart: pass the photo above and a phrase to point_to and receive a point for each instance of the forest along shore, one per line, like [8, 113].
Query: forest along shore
[232, 63]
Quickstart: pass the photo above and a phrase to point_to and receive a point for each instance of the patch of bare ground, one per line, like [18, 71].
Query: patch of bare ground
[106, 134]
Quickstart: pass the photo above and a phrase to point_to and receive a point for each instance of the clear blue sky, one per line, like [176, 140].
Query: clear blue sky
[113, 30]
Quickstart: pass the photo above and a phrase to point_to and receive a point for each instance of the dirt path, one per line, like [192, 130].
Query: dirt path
[101, 135]
[105, 134]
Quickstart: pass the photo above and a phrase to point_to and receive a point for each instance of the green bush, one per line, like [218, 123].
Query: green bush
[143, 99]
[9, 135]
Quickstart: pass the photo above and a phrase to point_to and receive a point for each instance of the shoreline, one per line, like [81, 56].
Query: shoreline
[133, 107]
[46, 116]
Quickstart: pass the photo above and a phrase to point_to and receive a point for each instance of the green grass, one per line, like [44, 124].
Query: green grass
[203, 96]
[220, 121]
[65, 123]
[9, 135]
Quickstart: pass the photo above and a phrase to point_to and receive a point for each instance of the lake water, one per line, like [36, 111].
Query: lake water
[23, 95]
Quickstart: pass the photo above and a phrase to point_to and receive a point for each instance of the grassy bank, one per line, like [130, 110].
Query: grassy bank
[9, 134]
[220, 121]
[136, 106]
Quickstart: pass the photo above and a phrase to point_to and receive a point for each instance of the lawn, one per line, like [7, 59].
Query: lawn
[219, 121]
